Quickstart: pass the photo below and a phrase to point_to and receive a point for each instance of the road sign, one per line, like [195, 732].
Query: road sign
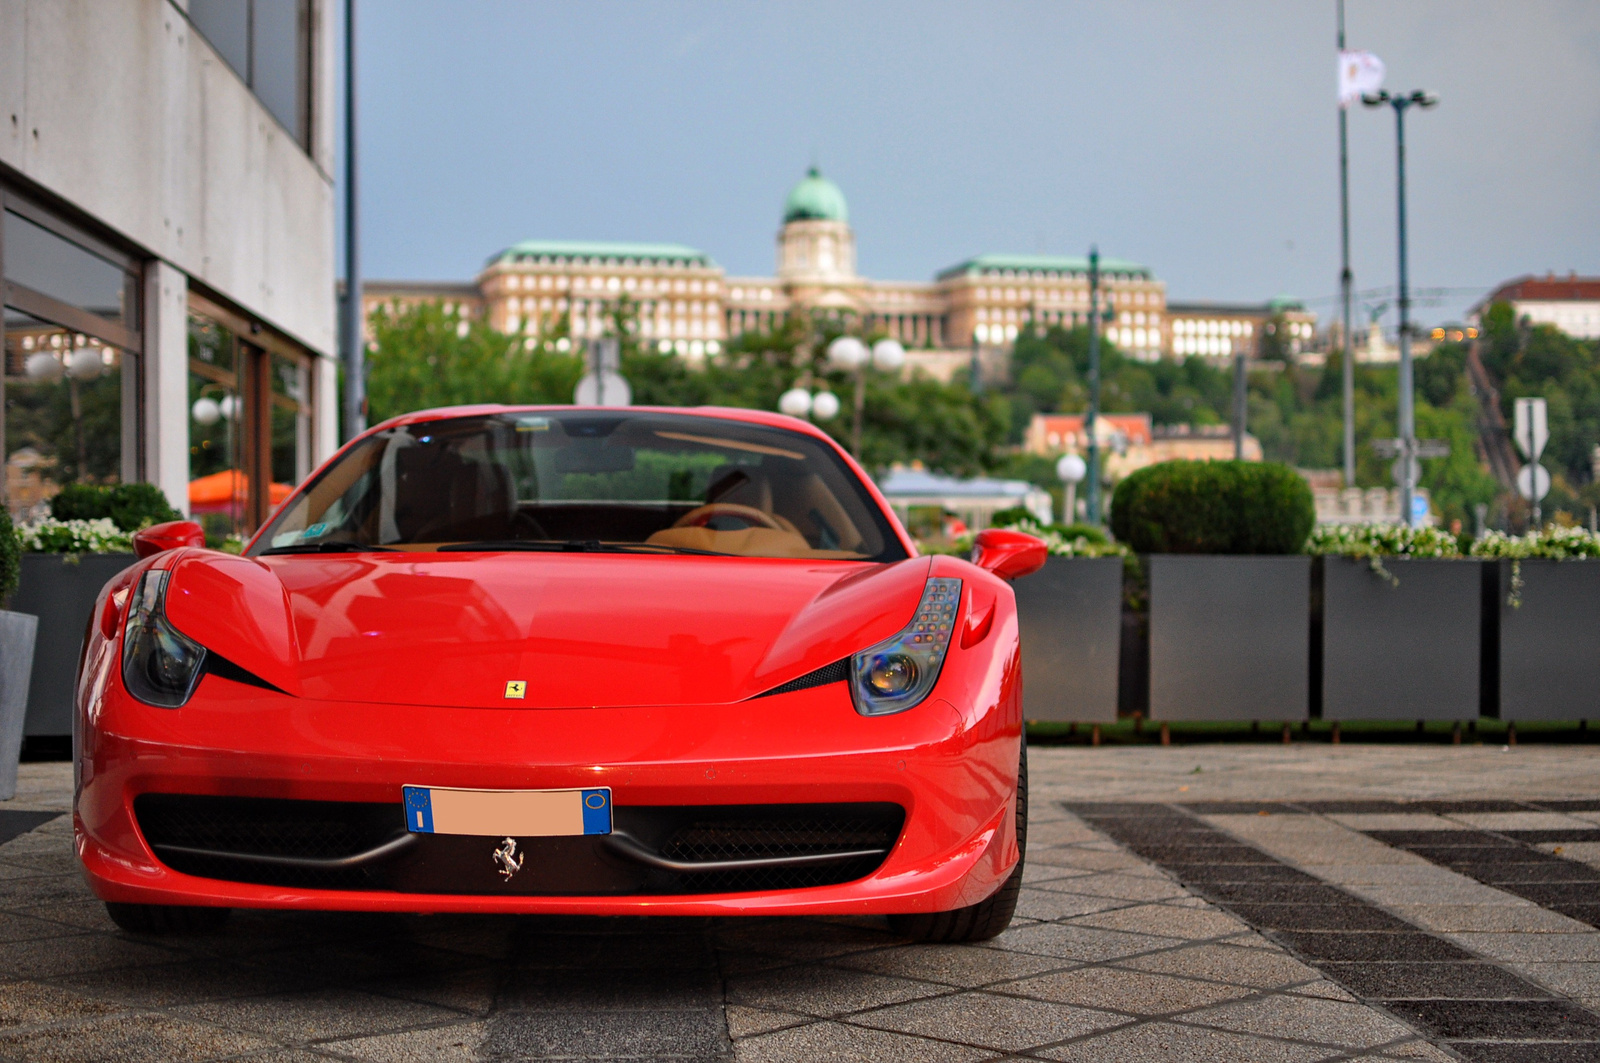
[1533, 482]
[1532, 430]
[1419, 509]
[607, 388]
[1397, 472]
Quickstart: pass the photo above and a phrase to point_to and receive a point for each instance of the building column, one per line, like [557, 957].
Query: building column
[325, 409]
[165, 366]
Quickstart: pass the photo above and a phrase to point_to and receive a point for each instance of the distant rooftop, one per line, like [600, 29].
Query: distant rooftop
[1276, 305]
[604, 252]
[1045, 263]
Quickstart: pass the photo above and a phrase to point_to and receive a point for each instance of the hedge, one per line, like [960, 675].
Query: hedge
[130, 506]
[10, 557]
[1213, 507]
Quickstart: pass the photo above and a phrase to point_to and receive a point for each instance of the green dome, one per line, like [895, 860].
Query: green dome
[815, 199]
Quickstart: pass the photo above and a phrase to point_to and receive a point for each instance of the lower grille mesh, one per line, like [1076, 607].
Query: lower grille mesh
[452, 864]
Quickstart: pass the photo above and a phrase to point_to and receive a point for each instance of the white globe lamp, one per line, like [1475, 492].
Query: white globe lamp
[796, 402]
[42, 366]
[84, 363]
[847, 353]
[206, 411]
[825, 405]
[1070, 470]
[229, 406]
[888, 355]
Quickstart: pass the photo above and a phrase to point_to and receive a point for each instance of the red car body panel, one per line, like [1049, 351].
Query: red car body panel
[642, 676]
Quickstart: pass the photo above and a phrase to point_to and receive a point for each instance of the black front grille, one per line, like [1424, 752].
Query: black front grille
[228, 829]
[265, 827]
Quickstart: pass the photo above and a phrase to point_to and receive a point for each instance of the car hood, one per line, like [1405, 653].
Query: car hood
[577, 629]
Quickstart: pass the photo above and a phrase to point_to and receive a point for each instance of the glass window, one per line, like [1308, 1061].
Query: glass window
[63, 411]
[39, 259]
[268, 44]
[557, 480]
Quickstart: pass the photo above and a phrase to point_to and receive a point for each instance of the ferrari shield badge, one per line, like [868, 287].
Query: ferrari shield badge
[517, 689]
[506, 856]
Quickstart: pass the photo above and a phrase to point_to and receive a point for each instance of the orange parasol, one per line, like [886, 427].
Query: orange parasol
[225, 491]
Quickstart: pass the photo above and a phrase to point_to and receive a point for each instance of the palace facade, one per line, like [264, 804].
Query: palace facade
[688, 305]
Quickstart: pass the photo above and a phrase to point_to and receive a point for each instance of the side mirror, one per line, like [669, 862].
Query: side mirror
[1009, 554]
[169, 536]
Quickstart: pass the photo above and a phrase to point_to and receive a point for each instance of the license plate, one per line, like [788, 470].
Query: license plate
[507, 813]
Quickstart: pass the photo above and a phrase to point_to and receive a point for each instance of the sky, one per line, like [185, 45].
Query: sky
[1199, 139]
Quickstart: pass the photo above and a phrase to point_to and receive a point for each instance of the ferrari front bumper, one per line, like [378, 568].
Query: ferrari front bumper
[952, 772]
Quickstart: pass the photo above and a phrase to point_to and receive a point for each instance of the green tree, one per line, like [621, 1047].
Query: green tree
[422, 357]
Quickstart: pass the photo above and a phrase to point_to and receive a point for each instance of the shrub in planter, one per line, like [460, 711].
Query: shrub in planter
[1229, 635]
[128, 506]
[1542, 644]
[1213, 507]
[64, 565]
[1401, 624]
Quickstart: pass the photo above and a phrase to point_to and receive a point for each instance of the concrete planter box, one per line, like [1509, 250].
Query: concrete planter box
[1230, 637]
[60, 590]
[1548, 646]
[1070, 613]
[17, 632]
[1401, 651]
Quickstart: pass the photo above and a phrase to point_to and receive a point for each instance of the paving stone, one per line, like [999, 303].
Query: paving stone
[74, 952]
[192, 981]
[610, 1035]
[1497, 821]
[456, 1043]
[987, 1020]
[829, 1042]
[35, 1004]
[1304, 1018]
[1136, 992]
[128, 1039]
[1077, 942]
[315, 1016]
[1230, 964]
[1400, 981]
[951, 965]
[1340, 917]
[746, 1022]
[825, 992]
[611, 990]
[1164, 920]
[1451, 918]
[1190, 1044]
[1355, 947]
[1533, 948]
[1501, 1020]
[1056, 904]
[1368, 821]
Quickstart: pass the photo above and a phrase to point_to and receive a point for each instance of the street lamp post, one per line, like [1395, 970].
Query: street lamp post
[1070, 470]
[1092, 490]
[1408, 422]
[851, 355]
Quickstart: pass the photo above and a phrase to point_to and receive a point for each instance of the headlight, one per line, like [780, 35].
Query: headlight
[899, 672]
[160, 664]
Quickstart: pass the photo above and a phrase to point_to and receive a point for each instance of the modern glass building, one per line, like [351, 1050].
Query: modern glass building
[167, 249]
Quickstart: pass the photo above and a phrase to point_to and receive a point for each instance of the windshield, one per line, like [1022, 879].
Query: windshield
[588, 480]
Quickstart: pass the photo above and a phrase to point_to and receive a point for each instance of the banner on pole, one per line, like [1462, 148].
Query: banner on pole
[1359, 73]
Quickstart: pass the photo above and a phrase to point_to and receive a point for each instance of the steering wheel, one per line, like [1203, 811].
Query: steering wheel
[703, 515]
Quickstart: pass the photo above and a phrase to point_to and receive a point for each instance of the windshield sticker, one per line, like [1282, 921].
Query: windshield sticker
[533, 424]
[315, 530]
[287, 538]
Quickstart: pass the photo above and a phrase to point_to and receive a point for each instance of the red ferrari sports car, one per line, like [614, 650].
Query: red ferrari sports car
[561, 660]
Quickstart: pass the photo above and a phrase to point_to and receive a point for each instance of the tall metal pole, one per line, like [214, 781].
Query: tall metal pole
[1092, 491]
[355, 382]
[1346, 359]
[1408, 425]
[1241, 386]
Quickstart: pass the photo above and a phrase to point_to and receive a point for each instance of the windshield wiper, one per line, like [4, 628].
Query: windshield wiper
[575, 546]
[330, 547]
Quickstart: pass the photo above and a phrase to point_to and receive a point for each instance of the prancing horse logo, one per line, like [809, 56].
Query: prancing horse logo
[506, 856]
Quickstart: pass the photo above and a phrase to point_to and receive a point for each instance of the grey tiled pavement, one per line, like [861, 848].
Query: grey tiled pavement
[1109, 959]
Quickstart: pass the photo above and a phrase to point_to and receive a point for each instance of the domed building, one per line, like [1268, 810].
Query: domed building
[688, 305]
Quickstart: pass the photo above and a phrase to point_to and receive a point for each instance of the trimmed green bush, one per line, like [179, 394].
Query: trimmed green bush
[129, 506]
[1213, 507]
[10, 558]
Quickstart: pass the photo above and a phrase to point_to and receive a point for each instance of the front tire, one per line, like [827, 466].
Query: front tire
[987, 918]
[161, 919]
